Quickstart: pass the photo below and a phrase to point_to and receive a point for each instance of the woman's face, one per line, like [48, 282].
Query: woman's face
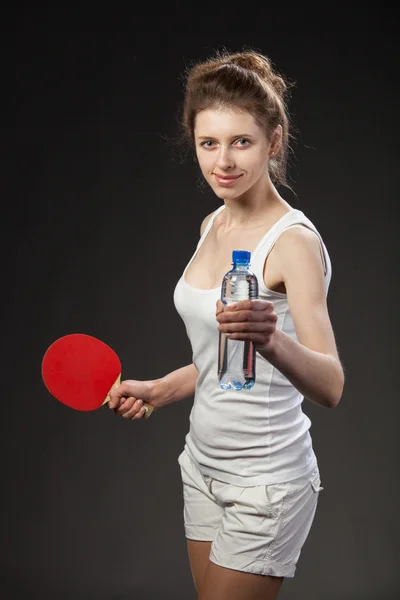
[232, 150]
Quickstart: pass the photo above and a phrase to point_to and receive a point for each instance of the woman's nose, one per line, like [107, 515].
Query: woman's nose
[224, 159]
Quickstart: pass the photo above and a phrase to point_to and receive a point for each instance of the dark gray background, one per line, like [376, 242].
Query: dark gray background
[99, 222]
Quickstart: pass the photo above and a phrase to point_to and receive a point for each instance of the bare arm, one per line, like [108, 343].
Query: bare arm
[177, 385]
[181, 383]
[174, 386]
[127, 398]
[318, 376]
[312, 363]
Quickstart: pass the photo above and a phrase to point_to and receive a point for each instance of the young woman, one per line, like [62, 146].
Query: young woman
[250, 476]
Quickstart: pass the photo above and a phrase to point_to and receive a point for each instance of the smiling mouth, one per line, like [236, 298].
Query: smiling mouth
[226, 178]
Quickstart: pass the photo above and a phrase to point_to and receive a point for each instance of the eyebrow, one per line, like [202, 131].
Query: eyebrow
[239, 135]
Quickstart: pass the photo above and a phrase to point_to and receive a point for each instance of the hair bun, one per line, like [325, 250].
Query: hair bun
[253, 61]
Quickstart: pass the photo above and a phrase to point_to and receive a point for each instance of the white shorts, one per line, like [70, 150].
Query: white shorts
[259, 529]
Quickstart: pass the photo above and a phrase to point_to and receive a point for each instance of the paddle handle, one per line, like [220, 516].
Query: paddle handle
[149, 408]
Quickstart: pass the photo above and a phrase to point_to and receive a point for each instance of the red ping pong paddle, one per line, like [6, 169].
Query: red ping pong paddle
[79, 370]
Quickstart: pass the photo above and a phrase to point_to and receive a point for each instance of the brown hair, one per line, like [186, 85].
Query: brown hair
[243, 80]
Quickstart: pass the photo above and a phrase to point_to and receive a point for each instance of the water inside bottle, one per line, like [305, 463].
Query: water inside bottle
[239, 356]
[236, 358]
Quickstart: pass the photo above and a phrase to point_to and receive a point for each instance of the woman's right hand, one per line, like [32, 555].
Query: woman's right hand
[127, 398]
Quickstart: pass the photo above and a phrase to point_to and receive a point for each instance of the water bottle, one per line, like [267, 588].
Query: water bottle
[237, 358]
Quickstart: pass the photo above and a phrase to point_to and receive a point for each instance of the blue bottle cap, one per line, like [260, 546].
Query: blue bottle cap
[241, 256]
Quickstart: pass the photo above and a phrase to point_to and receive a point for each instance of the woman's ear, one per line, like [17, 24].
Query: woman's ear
[276, 141]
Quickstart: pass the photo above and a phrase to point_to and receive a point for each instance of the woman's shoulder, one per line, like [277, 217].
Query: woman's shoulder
[206, 221]
[300, 242]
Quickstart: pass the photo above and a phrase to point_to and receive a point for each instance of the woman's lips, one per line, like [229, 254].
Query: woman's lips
[226, 180]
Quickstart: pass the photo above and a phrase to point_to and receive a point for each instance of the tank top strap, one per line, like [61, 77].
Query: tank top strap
[209, 225]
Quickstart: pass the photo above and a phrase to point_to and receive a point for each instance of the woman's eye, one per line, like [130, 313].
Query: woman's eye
[242, 142]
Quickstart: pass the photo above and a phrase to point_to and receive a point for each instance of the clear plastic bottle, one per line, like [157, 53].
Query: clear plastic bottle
[237, 358]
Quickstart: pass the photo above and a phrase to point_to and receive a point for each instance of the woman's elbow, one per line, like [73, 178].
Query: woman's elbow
[337, 389]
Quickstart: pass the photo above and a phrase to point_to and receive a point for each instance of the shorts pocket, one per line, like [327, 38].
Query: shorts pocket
[275, 495]
[316, 481]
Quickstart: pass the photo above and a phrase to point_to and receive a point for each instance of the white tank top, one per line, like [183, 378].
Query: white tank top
[247, 437]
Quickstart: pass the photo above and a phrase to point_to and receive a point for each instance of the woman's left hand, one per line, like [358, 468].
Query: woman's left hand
[253, 320]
